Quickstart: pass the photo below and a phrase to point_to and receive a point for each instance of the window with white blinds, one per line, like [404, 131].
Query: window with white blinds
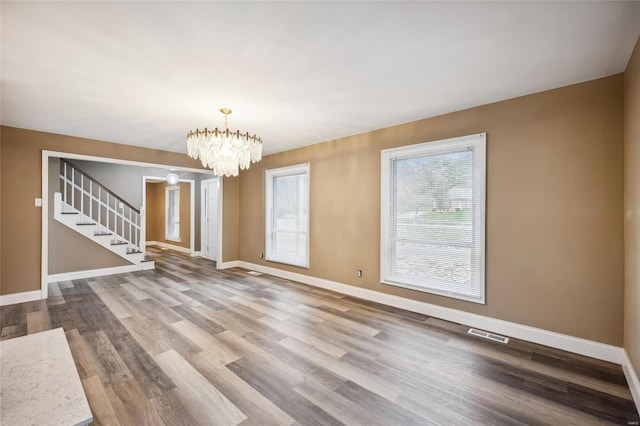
[287, 215]
[433, 217]
[172, 204]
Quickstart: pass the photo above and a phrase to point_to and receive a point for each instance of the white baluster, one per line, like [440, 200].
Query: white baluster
[81, 197]
[66, 199]
[73, 187]
[130, 239]
[99, 208]
[108, 212]
[91, 200]
[122, 218]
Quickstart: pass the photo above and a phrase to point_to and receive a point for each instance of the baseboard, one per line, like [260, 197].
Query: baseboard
[234, 264]
[92, 273]
[196, 254]
[519, 331]
[26, 296]
[632, 378]
[168, 246]
[146, 266]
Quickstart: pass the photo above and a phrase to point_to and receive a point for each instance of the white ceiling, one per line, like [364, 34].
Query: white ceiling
[144, 73]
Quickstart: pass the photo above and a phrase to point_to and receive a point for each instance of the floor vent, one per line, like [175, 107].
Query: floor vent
[256, 273]
[487, 335]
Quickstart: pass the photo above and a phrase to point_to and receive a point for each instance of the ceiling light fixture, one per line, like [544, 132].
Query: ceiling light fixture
[172, 178]
[223, 151]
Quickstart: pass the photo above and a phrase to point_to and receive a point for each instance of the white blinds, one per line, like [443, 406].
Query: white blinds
[172, 197]
[287, 215]
[433, 217]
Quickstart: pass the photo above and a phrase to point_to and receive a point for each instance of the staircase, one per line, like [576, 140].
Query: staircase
[89, 208]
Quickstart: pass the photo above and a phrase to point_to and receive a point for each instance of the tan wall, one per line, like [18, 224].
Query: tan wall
[156, 214]
[632, 209]
[151, 213]
[231, 218]
[554, 204]
[68, 250]
[21, 221]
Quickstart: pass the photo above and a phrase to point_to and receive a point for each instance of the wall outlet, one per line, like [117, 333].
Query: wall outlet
[38, 202]
[359, 273]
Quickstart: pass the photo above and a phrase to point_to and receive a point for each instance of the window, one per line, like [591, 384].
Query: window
[433, 217]
[287, 215]
[172, 204]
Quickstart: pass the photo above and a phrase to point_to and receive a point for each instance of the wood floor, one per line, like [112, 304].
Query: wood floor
[187, 344]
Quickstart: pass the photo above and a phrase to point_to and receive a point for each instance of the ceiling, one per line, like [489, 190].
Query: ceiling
[295, 73]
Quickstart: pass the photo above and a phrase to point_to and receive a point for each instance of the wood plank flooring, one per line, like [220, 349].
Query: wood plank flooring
[186, 344]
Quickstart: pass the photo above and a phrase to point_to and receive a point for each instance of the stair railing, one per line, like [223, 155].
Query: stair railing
[98, 205]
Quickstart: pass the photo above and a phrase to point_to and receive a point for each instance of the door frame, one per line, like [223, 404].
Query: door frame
[192, 211]
[219, 213]
[44, 246]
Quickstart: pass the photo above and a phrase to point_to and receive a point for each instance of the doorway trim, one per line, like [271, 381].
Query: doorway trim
[220, 218]
[44, 240]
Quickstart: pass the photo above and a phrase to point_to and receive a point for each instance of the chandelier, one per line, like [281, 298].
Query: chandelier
[223, 151]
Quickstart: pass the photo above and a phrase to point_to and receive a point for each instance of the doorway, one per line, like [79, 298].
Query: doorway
[209, 218]
[169, 223]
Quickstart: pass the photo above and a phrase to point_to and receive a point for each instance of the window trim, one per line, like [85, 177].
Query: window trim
[270, 175]
[167, 190]
[478, 143]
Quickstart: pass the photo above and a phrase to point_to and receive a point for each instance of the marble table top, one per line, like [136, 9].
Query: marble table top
[39, 382]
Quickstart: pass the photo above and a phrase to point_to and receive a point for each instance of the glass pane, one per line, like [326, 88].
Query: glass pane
[427, 264]
[433, 198]
[174, 230]
[290, 203]
[289, 244]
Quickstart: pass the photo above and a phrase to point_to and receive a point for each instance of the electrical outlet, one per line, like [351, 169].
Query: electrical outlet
[38, 202]
[359, 273]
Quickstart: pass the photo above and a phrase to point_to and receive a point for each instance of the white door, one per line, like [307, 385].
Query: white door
[210, 190]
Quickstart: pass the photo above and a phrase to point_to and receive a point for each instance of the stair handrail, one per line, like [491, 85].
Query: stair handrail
[133, 238]
[113, 194]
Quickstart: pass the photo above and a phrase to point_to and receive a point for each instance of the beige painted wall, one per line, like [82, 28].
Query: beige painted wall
[554, 207]
[156, 213]
[231, 218]
[68, 250]
[151, 216]
[21, 221]
[632, 209]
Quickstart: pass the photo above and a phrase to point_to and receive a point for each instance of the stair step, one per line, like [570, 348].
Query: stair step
[100, 234]
[146, 259]
[118, 243]
[134, 252]
[85, 223]
[70, 213]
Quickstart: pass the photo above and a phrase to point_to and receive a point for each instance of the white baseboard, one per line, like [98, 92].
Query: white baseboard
[196, 254]
[26, 296]
[632, 378]
[168, 246]
[524, 332]
[234, 264]
[92, 273]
